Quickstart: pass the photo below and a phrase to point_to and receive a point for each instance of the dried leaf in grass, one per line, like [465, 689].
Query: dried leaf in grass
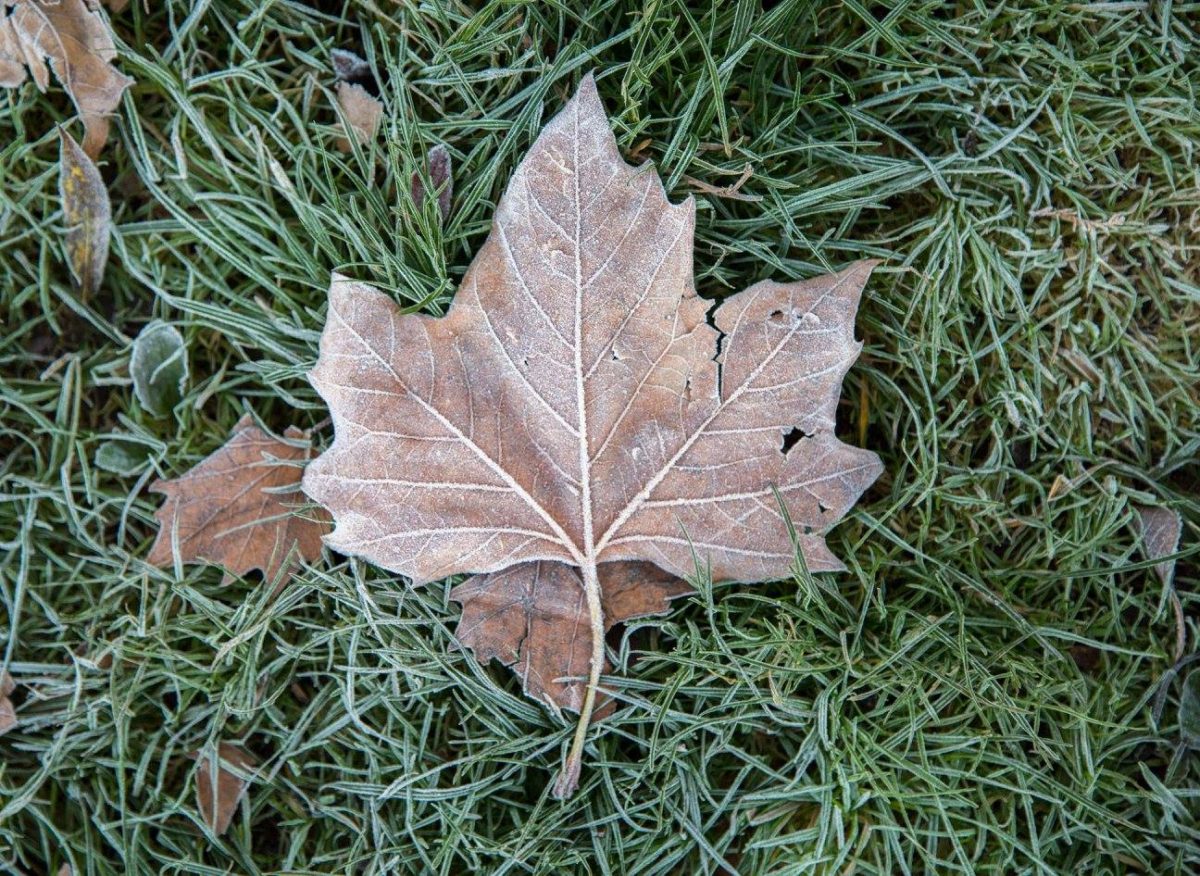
[8, 715]
[534, 618]
[361, 113]
[219, 788]
[1189, 709]
[441, 176]
[238, 509]
[1161, 529]
[158, 367]
[349, 67]
[76, 42]
[576, 405]
[87, 214]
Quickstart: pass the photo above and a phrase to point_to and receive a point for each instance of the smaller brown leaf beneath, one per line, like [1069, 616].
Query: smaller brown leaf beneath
[1161, 528]
[236, 508]
[76, 42]
[534, 618]
[87, 212]
[361, 113]
[441, 177]
[8, 715]
[219, 788]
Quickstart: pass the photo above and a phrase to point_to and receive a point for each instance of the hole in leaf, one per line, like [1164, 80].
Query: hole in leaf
[791, 438]
[775, 317]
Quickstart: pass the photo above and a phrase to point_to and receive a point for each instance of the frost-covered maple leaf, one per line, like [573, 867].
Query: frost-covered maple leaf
[575, 405]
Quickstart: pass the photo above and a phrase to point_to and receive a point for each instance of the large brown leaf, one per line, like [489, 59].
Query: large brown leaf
[76, 42]
[575, 405]
[237, 509]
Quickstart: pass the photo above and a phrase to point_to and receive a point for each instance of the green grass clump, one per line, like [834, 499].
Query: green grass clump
[982, 692]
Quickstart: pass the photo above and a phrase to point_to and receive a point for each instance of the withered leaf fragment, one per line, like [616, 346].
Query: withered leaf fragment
[441, 177]
[219, 787]
[87, 213]
[534, 618]
[576, 406]
[1161, 529]
[237, 509]
[349, 67]
[361, 113]
[8, 715]
[80, 50]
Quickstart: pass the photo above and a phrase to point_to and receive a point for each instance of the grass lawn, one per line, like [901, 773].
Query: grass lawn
[987, 689]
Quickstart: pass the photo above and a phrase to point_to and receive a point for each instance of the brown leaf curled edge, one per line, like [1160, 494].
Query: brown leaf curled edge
[219, 790]
[236, 509]
[575, 406]
[76, 42]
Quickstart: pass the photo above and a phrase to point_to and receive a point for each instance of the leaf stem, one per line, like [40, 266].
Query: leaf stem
[568, 779]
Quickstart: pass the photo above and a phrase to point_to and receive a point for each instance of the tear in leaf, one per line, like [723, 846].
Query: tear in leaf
[219, 787]
[76, 42]
[575, 405]
[159, 367]
[534, 618]
[87, 214]
[441, 177]
[360, 112]
[238, 508]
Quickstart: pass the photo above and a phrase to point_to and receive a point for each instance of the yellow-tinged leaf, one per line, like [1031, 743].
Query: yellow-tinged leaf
[86, 213]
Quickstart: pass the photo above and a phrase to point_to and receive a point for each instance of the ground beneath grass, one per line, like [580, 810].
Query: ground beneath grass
[988, 689]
